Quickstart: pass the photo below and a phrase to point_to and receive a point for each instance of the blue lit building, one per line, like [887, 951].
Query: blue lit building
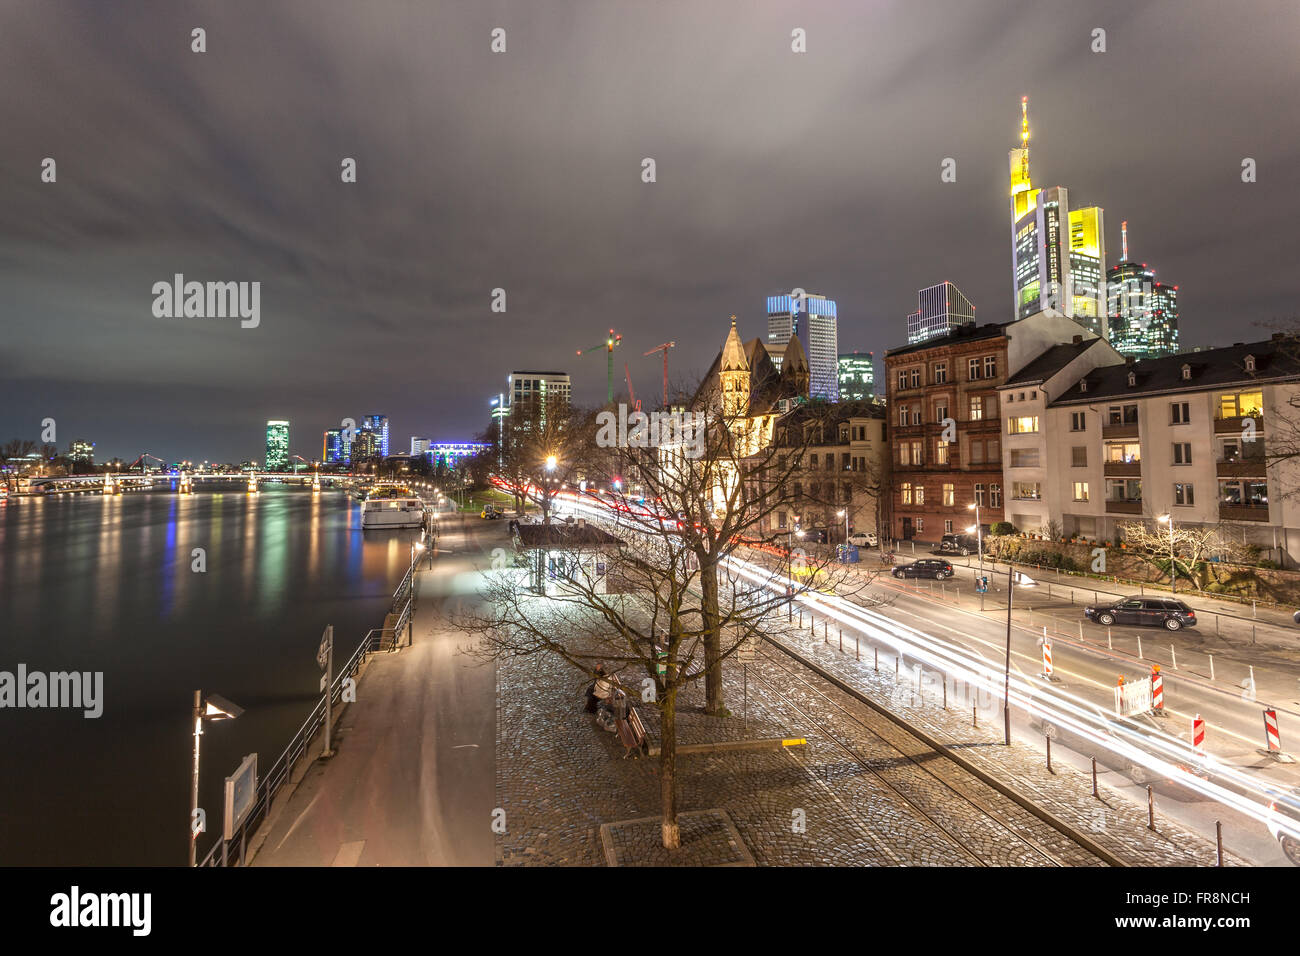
[815, 322]
[379, 425]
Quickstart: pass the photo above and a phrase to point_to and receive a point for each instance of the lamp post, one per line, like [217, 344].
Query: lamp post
[1173, 568]
[979, 533]
[845, 515]
[1006, 677]
[789, 561]
[213, 708]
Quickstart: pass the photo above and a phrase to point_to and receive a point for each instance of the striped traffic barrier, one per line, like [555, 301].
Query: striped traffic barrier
[1157, 689]
[1271, 735]
[1198, 735]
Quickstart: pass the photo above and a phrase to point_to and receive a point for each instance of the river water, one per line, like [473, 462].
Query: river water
[91, 583]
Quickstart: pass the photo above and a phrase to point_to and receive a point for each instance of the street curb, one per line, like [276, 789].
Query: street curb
[1050, 819]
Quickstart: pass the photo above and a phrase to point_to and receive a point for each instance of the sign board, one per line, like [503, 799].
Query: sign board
[322, 654]
[241, 794]
[323, 679]
[1133, 697]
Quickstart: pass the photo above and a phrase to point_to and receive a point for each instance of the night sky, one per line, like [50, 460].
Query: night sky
[522, 170]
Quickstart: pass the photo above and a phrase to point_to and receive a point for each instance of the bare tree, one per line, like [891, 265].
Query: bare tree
[1185, 550]
[11, 453]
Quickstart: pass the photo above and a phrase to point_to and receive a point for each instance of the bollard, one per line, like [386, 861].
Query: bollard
[945, 691]
[1173, 655]
[1142, 590]
[1252, 634]
[1049, 589]
[1080, 630]
[1095, 599]
[1216, 624]
[975, 715]
[896, 664]
[943, 591]
[1071, 596]
[841, 640]
[1211, 656]
[1110, 645]
[1094, 779]
[857, 647]
[1218, 842]
[1049, 752]
[1151, 808]
[1252, 607]
[877, 653]
[1139, 647]
[956, 596]
[801, 620]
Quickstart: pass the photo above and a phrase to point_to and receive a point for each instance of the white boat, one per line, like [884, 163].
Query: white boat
[388, 507]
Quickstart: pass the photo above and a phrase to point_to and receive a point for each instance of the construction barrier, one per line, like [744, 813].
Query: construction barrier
[1132, 697]
[1198, 735]
[1270, 731]
[1157, 688]
[1047, 659]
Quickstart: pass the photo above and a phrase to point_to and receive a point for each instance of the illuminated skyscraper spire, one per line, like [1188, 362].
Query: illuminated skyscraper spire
[1123, 233]
[1024, 122]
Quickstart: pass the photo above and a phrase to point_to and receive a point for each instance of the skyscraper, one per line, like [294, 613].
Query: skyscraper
[857, 376]
[540, 393]
[1143, 313]
[1058, 254]
[277, 445]
[816, 324]
[333, 446]
[942, 308]
[379, 425]
[365, 444]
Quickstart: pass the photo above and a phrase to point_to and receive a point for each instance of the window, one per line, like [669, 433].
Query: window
[1024, 458]
[905, 493]
[812, 462]
[976, 452]
[918, 524]
[1182, 453]
[916, 415]
[947, 526]
[991, 366]
[948, 494]
[1123, 415]
[846, 462]
[994, 455]
[995, 496]
[1187, 373]
[1124, 489]
[940, 373]
[1080, 491]
[1078, 421]
[941, 410]
[1241, 404]
[992, 406]
[976, 408]
[1123, 452]
[973, 369]
[780, 520]
[1026, 490]
[902, 378]
[830, 461]
[941, 452]
[979, 494]
[918, 492]
[1180, 413]
[916, 453]
[1183, 494]
[1079, 456]
[914, 377]
[1250, 363]
[1022, 425]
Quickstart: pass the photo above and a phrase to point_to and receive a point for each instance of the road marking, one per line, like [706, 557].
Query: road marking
[349, 853]
[304, 813]
[463, 746]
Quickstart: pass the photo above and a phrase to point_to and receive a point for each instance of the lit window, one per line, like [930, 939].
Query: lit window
[1080, 491]
[1022, 425]
[948, 494]
[976, 408]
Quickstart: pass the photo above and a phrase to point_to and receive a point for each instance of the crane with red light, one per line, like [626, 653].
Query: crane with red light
[664, 348]
[611, 342]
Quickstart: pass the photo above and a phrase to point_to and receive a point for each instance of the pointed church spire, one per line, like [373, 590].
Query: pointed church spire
[733, 352]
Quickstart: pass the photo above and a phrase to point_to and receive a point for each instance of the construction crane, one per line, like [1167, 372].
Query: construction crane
[141, 462]
[664, 348]
[636, 406]
[609, 345]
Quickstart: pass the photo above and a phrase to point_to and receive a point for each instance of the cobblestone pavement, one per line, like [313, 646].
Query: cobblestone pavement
[862, 792]
[1114, 823]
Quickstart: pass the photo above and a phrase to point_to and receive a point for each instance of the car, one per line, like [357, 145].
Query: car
[864, 539]
[815, 535]
[962, 544]
[925, 568]
[1276, 818]
[1168, 613]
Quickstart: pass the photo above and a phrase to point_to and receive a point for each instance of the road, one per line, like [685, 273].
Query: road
[413, 781]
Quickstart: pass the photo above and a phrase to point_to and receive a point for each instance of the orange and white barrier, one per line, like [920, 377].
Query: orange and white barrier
[1157, 688]
[1047, 659]
[1198, 735]
[1270, 731]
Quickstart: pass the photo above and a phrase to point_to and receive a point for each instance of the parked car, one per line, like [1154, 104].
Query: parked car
[864, 539]
[1291, 802]
[962, 544]
[925, 568]
[1146, 612]
[815, 535]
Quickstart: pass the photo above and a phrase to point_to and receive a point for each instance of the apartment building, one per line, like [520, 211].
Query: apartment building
[1196, 436]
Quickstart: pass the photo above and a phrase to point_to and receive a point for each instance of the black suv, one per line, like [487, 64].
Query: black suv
[962, 544]
[1148, 612]
[925, 568]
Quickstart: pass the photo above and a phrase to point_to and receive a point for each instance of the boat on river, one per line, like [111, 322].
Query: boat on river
[392, 506]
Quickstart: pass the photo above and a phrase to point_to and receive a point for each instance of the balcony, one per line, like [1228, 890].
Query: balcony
[1122, 469]
[1126, 430]
[1225, 426]
[1231, 512]
[1123, 506]
[1250, 466]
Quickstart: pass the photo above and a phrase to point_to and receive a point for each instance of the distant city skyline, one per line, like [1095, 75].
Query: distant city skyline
[224, 167]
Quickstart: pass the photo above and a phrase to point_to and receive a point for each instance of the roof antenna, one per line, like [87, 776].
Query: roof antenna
[1123, 231]
[1024, 122]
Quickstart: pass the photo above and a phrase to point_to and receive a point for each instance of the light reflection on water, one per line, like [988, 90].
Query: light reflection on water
[104, 583]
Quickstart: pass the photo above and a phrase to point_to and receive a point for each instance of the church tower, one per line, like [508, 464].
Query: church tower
[733, 373]
[795, 375]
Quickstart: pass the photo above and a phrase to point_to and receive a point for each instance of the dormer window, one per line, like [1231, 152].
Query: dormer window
[1250, 363]
[1083, 384]
[1187, 373]
[1132, 379]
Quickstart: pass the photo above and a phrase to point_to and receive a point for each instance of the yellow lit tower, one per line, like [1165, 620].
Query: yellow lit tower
[733, 371]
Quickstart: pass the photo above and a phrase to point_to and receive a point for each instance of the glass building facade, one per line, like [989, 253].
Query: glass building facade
[1142, 313]
[942, 308]
[277, 445]
[379, 425]
[857, 377]
[815, 321]
[332, 450]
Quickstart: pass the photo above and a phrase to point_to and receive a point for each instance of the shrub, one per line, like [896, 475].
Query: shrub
[1002, 527]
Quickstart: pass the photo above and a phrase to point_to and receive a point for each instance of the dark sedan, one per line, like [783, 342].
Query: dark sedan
[925, 568]
[1145, 612]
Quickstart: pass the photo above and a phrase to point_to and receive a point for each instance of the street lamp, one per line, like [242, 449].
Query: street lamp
[214, 707]
[1027, 582]
[789, 562]
[979, 533]
[845, 515]
[1173, 568]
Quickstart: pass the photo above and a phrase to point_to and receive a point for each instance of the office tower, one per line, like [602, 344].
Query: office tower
[333, 449]
[1058, 254]
[535, 396]
[1143, 313]
[857, 376]
[365, 444]
[420, 446]
[82, 451]
[379, 425]
[816, 324]
[277, 445]
[941, 308]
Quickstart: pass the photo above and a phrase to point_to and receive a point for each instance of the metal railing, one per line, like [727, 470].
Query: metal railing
[282, 770]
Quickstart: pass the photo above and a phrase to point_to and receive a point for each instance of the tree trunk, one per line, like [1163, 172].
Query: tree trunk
[714, 704]
[671, 830]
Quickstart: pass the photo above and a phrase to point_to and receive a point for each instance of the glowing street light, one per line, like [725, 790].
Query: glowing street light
[214, 707]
